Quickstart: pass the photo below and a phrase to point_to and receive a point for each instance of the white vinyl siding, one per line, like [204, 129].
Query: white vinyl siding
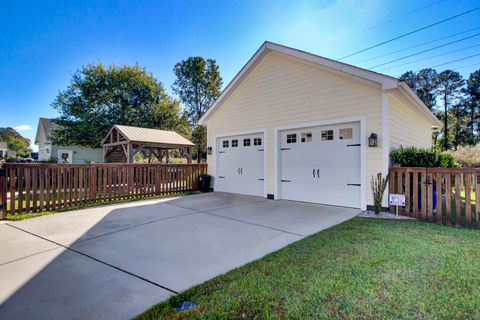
[408, 127]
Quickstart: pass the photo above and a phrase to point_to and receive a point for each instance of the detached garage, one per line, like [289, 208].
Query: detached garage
[292, 125]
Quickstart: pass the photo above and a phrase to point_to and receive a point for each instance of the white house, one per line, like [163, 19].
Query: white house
[63, 154]
[293, 125]
[3, 149]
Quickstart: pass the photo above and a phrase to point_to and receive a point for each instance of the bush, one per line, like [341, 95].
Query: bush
[422, 157]
[468, 156]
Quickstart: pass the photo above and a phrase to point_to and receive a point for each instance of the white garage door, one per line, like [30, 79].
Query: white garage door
[321, 165]
[241, 164]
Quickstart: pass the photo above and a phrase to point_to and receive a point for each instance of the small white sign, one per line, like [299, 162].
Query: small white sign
[396, 200]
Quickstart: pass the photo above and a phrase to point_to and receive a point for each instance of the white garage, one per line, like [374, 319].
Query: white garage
[321, 164]
[312, 118]
[241, 162]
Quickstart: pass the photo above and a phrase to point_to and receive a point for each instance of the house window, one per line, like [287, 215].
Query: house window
[234, 143]
[225, 143]
[292, 138]
[307, 137]
[257, 142]
[327, 135]
[345, 133]
[246, 142]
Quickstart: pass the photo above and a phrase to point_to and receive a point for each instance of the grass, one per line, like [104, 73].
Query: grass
[361, 269]
[28, 215]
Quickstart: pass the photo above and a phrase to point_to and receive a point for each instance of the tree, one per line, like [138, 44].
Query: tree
[99, 97]
[449, 87]
[424, 83]
[15, 141]
[198, 84]
[472, 92]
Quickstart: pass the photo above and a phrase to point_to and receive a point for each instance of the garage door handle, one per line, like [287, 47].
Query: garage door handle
[318, 173]
[220, 177]
[285, 180]
[354, 184]
[354, 145]
[313, 172]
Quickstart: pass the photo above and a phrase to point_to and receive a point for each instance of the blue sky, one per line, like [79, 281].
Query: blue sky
[43, 42]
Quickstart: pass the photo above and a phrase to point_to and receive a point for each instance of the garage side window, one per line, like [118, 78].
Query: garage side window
[225, 143]
[246, 142]
[234, 143]
[257, 142]
[327, 135]
[306, 137]
[292, 138]
[345, 133]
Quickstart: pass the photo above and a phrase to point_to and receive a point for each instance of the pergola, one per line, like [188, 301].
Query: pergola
[123, 142]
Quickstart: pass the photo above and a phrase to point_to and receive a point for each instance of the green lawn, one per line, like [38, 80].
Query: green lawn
[362, 269]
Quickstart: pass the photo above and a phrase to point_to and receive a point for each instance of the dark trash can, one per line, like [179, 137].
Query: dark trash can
[204, 183]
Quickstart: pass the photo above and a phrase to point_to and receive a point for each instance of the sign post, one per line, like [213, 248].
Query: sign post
[396, 200]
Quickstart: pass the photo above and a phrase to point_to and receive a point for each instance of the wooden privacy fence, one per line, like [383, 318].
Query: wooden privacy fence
[39, 187]
[445, 196]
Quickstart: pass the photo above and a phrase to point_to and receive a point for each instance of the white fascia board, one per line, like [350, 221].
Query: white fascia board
[384, 81]
[234, 83]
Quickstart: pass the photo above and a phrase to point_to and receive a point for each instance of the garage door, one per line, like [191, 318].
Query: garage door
[241, 164]
[321, 165]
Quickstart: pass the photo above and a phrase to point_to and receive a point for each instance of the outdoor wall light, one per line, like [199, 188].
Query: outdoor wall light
[372, 140]
[209, 150]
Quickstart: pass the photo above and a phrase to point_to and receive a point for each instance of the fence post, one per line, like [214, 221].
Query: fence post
[3, 193]
[93, 184]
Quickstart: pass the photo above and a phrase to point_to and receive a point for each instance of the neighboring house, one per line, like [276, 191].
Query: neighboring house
[63, 154]
[3, 149]
[293, 125]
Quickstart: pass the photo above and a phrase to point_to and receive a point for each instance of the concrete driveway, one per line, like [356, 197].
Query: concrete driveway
[114, 262]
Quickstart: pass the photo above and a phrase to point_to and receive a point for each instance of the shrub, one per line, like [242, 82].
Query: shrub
[468, 156]
[422, 157]
[378, 185]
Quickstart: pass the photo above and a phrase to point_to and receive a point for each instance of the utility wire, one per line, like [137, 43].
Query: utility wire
[411, 32]
[423, 51]
[468, 66]
[431, 57]
[461, 59]
[418, 45]
[386, 22]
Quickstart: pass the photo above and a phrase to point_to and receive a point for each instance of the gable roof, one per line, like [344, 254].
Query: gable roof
[154, 136]
[384, 81]
[47, 125]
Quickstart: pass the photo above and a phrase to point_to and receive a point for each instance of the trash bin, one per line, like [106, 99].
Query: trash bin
[204, 183]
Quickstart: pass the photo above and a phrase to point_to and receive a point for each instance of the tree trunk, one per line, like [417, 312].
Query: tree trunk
[445, 124]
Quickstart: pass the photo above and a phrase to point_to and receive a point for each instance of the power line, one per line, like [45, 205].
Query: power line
[468, 66]
[427, 50]
[411, 32]
[387, 21]
[418, 45]
[430, 57]
[449, 62]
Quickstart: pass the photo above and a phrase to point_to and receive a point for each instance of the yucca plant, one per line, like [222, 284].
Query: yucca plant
[379, 185]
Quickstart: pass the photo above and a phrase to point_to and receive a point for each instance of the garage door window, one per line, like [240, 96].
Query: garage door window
[234, 143]
[257, 142]
[307, 137]
[246, 142]
[327, 135]
[345, 133]
[225, 143]
[292, 138]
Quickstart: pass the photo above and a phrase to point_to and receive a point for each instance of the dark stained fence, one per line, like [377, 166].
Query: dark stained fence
[38, 187]
[445, 196]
